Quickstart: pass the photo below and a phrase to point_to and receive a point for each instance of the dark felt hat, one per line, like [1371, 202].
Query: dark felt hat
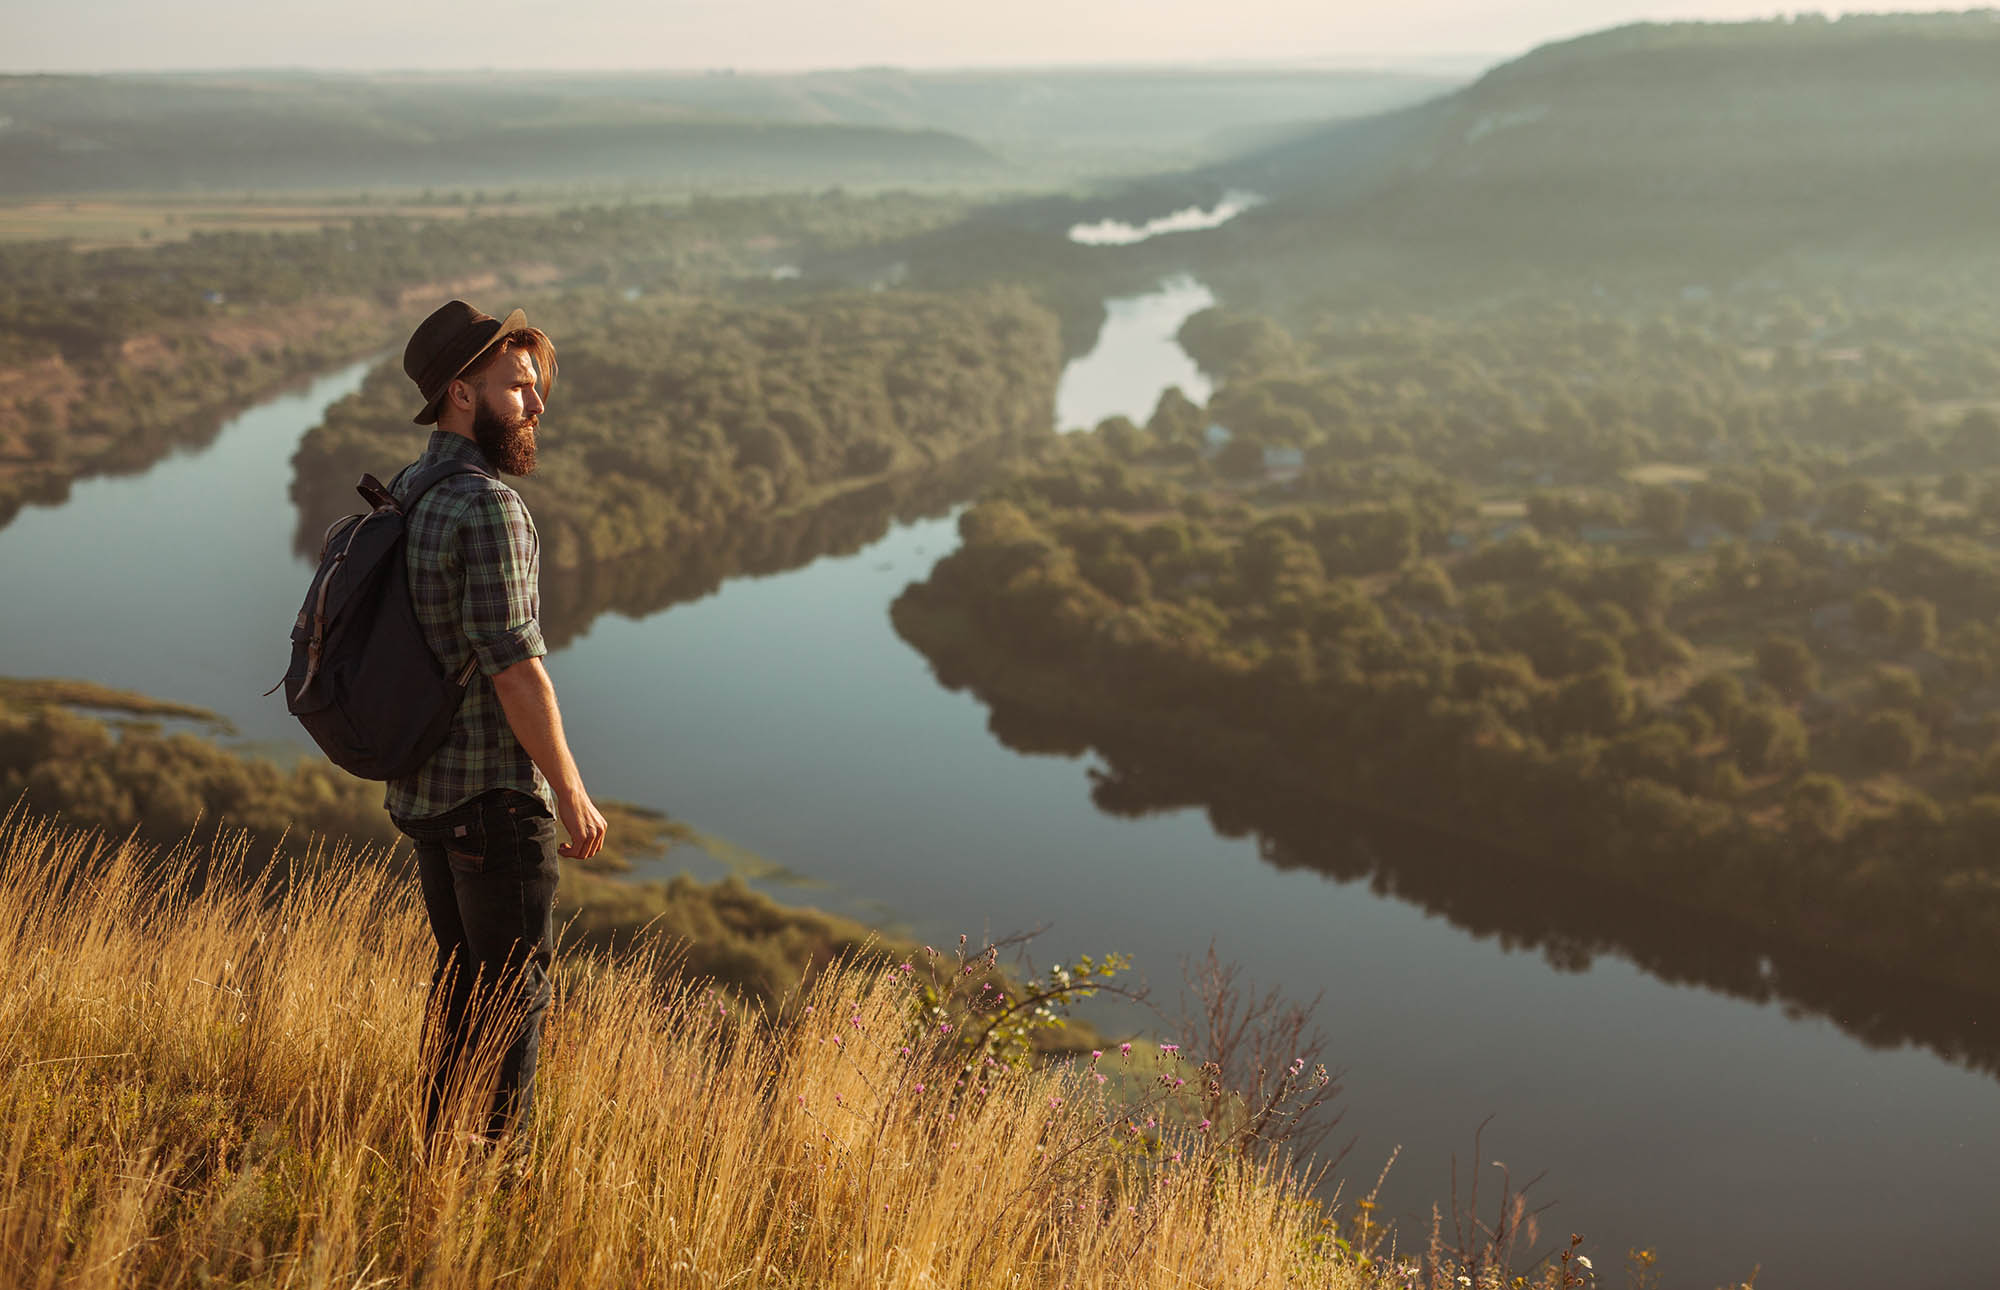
[448, 342]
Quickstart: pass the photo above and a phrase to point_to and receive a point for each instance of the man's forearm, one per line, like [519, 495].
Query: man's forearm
[529, 700]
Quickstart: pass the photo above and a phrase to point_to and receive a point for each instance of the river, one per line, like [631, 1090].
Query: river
[784, 714]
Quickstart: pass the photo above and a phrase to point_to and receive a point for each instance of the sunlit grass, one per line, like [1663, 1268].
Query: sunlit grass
[219, 1087]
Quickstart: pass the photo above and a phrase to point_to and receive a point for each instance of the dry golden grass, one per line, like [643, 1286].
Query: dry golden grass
[220, 1089]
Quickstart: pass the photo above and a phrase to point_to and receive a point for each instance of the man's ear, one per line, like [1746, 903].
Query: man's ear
[459, 392]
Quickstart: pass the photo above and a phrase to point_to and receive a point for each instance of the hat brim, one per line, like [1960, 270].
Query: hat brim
[513, 322]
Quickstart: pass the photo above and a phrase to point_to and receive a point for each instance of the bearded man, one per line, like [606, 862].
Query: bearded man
[483, 810]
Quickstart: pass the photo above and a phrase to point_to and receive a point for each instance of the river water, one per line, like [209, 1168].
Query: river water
[784, 714]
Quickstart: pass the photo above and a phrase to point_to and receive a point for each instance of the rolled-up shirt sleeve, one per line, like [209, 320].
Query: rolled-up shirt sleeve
[501, 556]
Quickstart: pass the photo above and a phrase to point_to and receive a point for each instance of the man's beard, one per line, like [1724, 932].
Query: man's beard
[508, 444]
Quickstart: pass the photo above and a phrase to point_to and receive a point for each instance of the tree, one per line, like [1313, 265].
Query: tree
[1176, 418]
[1898, 687]
[1599, 702]
[1426, 583]
[1240, 458]
[1892, 740]
[1733, 507]
[1719, 695]
[1917, 627]
[1876, 612]
[1817, 807]
[1768, 739]
[1976, 440]
[1663, 510]
[1786, 664]
[1126, 441]
[1653, 649]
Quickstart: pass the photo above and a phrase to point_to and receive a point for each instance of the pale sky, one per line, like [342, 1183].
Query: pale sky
[130, 35]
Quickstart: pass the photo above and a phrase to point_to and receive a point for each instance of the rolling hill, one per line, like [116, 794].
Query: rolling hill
[1694, 149]
[73, 134]
[271, 130]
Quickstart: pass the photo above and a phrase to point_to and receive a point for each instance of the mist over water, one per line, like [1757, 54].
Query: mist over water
[1189, 219]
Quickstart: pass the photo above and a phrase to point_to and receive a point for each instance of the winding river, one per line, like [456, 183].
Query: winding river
[1719, 1126]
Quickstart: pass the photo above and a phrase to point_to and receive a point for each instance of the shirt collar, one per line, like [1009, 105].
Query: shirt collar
[444, 444]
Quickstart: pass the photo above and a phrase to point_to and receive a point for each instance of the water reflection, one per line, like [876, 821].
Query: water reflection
[1569, 918]
[647, 582]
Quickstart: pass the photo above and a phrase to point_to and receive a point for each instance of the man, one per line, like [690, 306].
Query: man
[483, 810]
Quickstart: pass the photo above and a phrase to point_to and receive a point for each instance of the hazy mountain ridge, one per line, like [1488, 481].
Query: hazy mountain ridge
[1700, 147]
[75, 134]
[265, 129]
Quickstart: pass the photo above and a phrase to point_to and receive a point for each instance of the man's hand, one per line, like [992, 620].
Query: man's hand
[583, 822]
[530, 704]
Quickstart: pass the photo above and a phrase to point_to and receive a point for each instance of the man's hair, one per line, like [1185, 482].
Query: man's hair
[539, 347]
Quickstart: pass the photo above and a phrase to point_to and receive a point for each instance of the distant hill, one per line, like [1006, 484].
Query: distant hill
[1697, 148]
[277, 130]
[1119, 117]
[68, 134]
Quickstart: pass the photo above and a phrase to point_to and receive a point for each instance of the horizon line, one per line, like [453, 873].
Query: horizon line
[1360, 62]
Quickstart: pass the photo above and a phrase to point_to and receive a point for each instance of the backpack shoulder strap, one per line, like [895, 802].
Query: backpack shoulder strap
[420, 482]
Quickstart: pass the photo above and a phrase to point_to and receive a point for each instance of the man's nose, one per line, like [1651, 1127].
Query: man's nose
[533, 403]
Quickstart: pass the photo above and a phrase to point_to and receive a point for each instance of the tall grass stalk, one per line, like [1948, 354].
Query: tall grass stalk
[208, 1083]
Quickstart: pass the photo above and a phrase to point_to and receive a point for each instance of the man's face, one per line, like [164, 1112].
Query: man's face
[506, 408]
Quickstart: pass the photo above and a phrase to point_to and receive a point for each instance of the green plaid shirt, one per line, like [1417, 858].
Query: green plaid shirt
[475, 580]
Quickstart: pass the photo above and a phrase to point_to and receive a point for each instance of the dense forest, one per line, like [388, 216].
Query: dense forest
[672, 422]
[114, 355]
[1703, 602]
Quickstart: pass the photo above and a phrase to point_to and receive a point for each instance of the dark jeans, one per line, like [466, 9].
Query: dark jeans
[488, 869]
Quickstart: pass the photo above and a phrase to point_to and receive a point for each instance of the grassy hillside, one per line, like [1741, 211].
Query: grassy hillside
[217, 1089]
[80, 134]
[99, 759]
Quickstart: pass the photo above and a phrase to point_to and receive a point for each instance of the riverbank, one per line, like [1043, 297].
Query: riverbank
[1297, 682]
[62, 419]
[1308, 809]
